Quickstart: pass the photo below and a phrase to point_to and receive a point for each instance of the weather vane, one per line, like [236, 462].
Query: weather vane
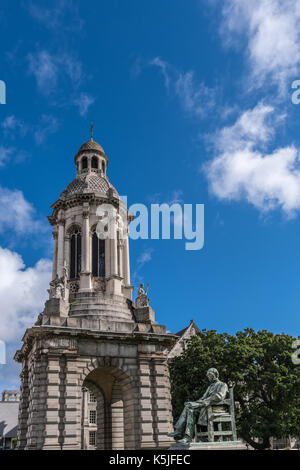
[92, 128]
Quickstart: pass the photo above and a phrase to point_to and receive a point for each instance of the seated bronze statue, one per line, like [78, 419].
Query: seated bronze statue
[195, 411]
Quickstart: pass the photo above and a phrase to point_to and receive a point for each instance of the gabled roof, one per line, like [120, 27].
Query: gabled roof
[192, 324]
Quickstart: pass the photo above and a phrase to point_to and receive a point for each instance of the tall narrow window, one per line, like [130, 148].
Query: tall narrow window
[95, 162]
[92, 416]
[92, 438]
[75, 254]
[84, 163]
[103, 167]
[98, 256]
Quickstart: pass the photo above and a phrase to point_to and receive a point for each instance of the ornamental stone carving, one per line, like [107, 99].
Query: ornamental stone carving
[99, 285]
[142, 299]
[73, 287]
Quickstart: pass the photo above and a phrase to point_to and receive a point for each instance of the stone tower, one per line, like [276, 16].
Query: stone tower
[91, 336]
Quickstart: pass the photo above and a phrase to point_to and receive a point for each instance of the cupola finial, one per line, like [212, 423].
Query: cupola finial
[92, 128]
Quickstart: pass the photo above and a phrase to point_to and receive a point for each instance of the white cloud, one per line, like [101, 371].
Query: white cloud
[48, 125]
[176, 197]
[244, 169]
[252, 127]
[55, 73]
[11, 125]
[49, 68]
[62, 16]
[17, 214]
[23, 292]
[273, 37]
[144, 258]
[84, 101]
[196, 98]
[44, 67]
[164, 68]
[5, 154]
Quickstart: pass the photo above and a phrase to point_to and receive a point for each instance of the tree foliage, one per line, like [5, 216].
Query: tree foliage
[259, 366]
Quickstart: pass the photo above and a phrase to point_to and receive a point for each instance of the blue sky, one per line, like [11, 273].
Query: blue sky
[191, 102]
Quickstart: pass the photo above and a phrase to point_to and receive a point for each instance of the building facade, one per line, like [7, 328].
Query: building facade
[183, 338]
[92, 339]
[9, 406]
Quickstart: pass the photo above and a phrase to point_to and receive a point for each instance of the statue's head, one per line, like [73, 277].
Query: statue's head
[142, 285]
[212, 374]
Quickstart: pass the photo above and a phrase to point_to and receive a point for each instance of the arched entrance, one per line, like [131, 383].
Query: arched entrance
[108, 410]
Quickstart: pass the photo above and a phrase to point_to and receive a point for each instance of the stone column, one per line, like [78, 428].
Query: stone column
[120, 258]
[60, 247]
[114, 283]
[107, 258]
[54, 266]
[114, 251]
[85, 275]
[127, 288]
[67, 253]
[126, 262]
[85, 239]
[84, 418]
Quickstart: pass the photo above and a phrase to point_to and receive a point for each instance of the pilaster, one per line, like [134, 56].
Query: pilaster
[162, 418]
[23, 408]
[69, 400]
[36, 402]
[60, 247]
[145, 402]
[52, 413]
[54, 266]
[85, 275]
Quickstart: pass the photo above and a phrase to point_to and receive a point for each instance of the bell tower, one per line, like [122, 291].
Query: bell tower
[74, 219]
[91, 336]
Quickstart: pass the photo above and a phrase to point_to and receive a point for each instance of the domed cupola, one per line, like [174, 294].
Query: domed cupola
[91, 158]
[89, 183]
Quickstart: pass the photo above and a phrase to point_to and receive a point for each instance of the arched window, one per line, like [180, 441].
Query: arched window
[98, 256]
[75, 254]
[103, 167]
[95, 163]
[84, 163]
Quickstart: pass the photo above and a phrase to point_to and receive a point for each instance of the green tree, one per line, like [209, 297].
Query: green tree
[259, 365]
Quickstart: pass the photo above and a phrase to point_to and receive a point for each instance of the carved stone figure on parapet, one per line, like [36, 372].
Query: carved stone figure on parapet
[59, 287]
[142, 299]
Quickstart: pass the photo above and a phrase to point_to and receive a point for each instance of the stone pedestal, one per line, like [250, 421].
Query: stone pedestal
[229, 445]
[114, 285]
[127, 372]
[145, 315]
[85, 282]
[56, 307]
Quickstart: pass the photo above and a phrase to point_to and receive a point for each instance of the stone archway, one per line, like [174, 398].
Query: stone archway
[115, 411]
